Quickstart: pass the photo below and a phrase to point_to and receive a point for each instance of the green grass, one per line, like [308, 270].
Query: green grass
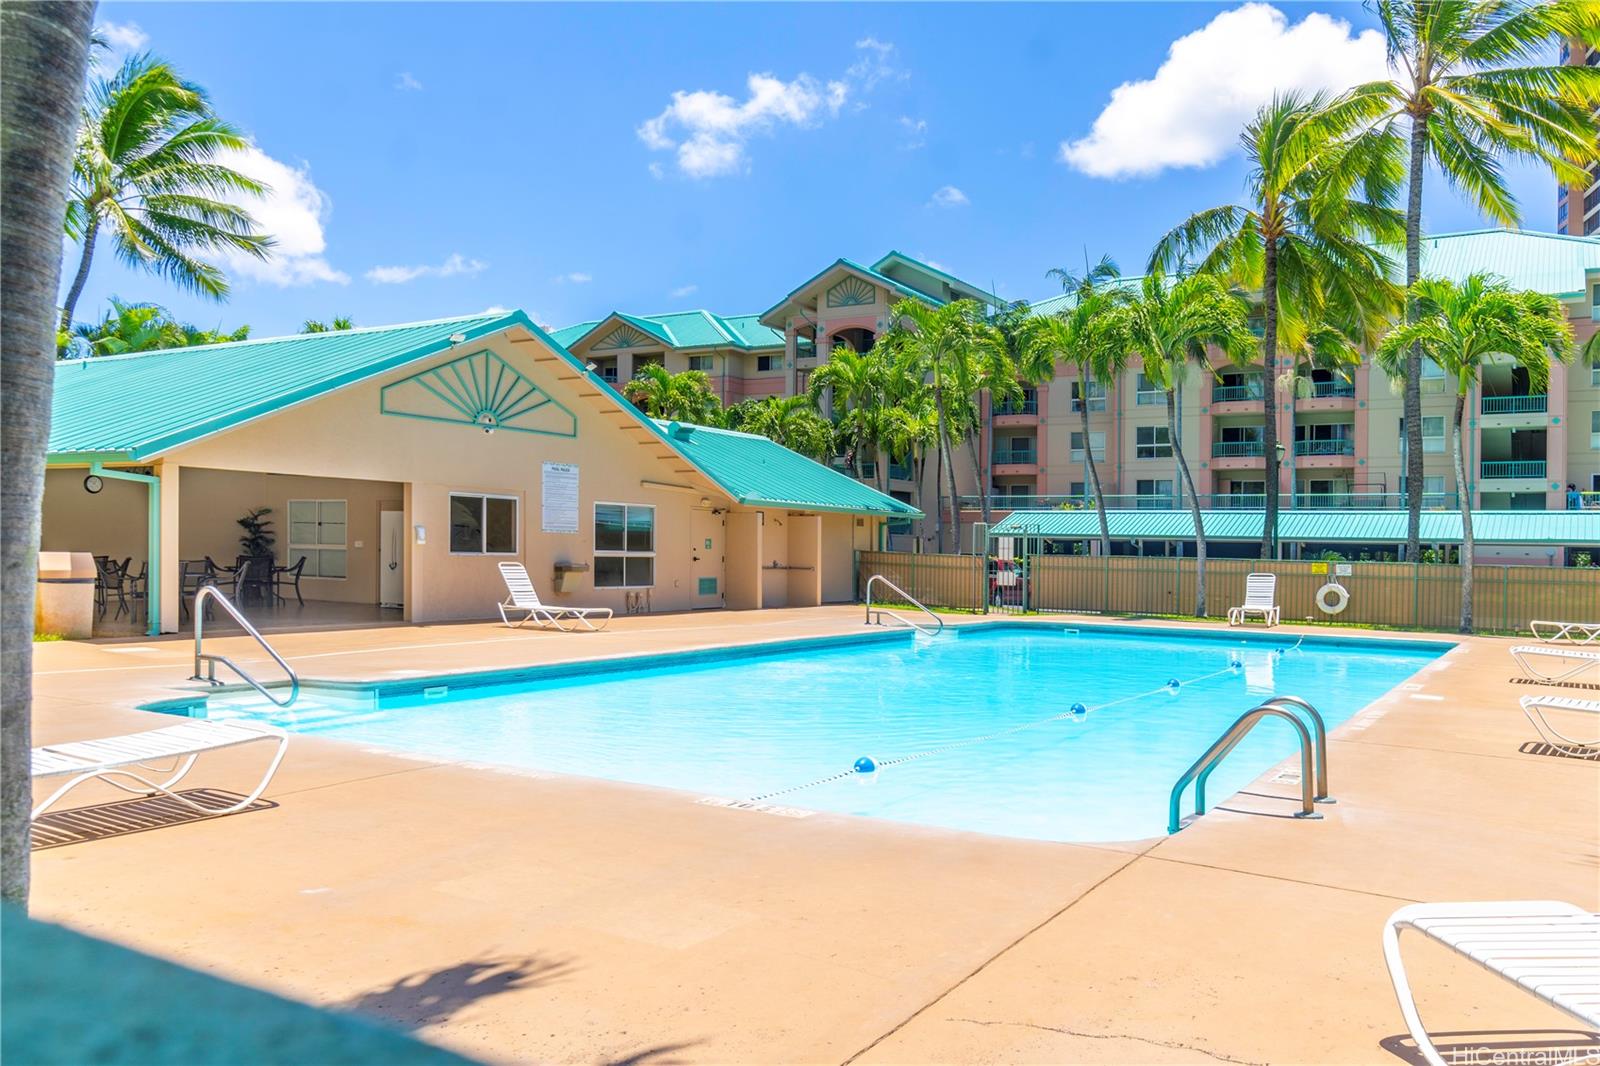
[40, 638]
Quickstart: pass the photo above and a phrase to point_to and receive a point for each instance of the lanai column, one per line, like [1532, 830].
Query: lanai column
[171, 573]
[791, 359]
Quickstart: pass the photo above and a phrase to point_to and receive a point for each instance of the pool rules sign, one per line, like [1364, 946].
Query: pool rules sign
[559, 491]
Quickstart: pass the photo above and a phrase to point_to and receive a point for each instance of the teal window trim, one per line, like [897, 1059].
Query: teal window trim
[152, 583]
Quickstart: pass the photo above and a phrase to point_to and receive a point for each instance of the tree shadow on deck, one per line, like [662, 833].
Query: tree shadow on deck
[428, 998]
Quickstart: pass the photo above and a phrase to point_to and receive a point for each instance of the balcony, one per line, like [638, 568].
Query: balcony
[1332, 390]
[1516, 405]
[1336, 446]
[1235, 393]
[1355, 499]
[1006, 460]
[900, 471]
[1023, 412]
[1237, 449]
[1512, 468]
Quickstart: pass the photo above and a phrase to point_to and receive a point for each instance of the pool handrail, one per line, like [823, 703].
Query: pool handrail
[920, 627]
[1226, 743]
[1319, 734]
[211, 592]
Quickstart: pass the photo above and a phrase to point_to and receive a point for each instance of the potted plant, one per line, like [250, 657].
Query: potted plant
[256, 544]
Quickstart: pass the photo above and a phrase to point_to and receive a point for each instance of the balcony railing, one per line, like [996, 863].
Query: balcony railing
[1516, 405]
[1233, 393]
[1522, 468]
[1325, 447]
[1015, 455]
[1324, 390]
[1358, 500]
[900, 471]
[1237, 449]
[1019, 407]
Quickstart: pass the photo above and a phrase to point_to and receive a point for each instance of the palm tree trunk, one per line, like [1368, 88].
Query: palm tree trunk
[1094, 471]
[955, 500]
[972, 446]
[986, 475]
[1269, 396]
[1412, 407]
[1194, 506]
[46, 54]
[938, 470]
[1465, 498]
[89, 233]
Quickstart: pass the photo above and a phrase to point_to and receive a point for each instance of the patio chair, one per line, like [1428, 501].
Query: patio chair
[1535, 706]
[1571, 632]
[524, 597]
[1577, 660]
[1549, 948]
[126, 756]
[1260, 598]
[288, 575]
[193, 574]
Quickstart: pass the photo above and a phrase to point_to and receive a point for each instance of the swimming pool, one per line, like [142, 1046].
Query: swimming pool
[969, 730]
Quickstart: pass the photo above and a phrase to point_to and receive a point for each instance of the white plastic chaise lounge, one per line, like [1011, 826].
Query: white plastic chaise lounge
[1535, 706]
[131, 757]
[1550, 949]
[1568, 632]
[1260, 598]
[1575, 660]
[522, 596]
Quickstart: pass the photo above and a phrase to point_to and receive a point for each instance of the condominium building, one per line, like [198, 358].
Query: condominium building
[1342, 439]
[1578, 207]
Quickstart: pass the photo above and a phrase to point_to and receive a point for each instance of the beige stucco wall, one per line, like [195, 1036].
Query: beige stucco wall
[112, 522]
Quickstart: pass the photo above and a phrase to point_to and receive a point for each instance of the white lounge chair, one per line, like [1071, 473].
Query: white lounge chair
[1571, 632]
[126, 756]
[524, 597]
[1577, 660]
[1535, 706]
[1551, 949]
[1260, 598]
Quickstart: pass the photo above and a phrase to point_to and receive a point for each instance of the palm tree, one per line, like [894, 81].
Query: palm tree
[1461, 327]
[1317, 194]
[1009, 323]
[792, 421]
[335, 325]
[146, 170]
[1079, 334]
[681, 397]
[912, 430]
[856, 381]
[1320, 349]
[1474, 87]
[129, 328]
[961, 353]
[46, 54]
[1169, 326]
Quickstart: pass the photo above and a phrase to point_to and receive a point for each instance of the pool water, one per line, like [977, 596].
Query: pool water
[970, 730]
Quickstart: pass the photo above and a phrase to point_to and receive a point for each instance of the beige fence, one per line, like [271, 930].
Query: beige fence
[1505, 598]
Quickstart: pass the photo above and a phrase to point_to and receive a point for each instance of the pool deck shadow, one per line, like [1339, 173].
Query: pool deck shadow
[654, 929]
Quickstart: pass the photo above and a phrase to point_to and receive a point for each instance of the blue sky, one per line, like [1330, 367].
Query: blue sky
[430, 160]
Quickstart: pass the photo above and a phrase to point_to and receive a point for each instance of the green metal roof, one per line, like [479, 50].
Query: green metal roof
[686, 329]
[927, 268]
[759, 472]
[138, 406]
[1544, 262]
[1552, 528]
[865, 271]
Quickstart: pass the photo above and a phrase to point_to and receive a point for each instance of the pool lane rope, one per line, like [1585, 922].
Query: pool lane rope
[1170, 687]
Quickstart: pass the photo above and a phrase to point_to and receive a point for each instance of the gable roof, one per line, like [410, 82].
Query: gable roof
[894, 258]
[685, 329]
[138, 406]
[1318, 526]
[856, 268]
[759, 472]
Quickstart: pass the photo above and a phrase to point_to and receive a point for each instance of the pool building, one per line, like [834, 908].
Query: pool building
[404, 462]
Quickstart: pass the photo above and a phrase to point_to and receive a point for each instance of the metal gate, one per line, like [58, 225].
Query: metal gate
[1010, 571]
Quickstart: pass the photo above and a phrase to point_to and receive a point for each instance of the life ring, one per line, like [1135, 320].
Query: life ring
[1337, 594]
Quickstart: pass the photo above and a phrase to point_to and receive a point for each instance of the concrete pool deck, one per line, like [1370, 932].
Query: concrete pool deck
[512, 916]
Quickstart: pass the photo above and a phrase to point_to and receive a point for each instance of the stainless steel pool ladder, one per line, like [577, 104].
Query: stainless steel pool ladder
[876, 617]
[1313, 757]
[211, 592]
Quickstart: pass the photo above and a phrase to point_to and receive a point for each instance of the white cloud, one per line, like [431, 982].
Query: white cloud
[684, 290]
[121, 39]
[948, 196]
[293, 212]
[455, 265]
[1213, 81]
[708, 130]
[576, 277]
[495, 309]
[916, 130]
[404, 81]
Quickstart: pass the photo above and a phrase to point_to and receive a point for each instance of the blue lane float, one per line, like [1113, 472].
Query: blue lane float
[865, 765]
[1078, 708]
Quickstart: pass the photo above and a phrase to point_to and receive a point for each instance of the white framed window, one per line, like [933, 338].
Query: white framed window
[1594, 374]
[317, 532]
[1152, 442]
[1097, 441]
[1432, 435]
[1097, 396]
[1432, 489]
[765, 363]
[1153, 492]
[1148, 393]
[624, 546]
[1594, 429]
[483, 524]
[1432, 377]
[700, 362]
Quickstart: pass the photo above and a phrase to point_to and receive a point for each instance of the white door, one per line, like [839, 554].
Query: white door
[706, 550]
[391, 559]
